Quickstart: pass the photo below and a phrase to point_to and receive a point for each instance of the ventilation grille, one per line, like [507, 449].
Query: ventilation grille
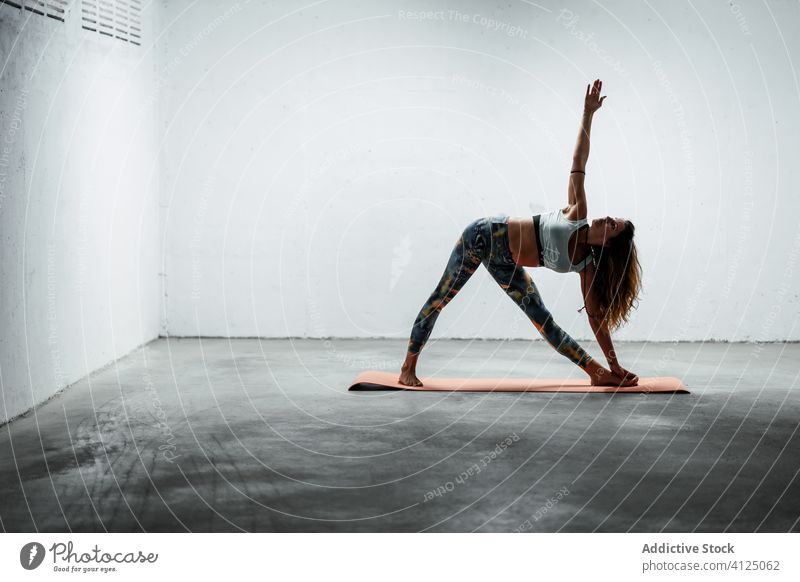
[120, 19]
[56, 9]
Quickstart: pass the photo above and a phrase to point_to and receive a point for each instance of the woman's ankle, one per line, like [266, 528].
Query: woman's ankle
[595, 370]
[410, 362]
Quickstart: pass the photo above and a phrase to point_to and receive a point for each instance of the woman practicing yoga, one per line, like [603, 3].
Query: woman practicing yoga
[602, 252]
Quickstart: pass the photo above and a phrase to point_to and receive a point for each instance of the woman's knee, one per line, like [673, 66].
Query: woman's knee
[479, 223]
[476, 239]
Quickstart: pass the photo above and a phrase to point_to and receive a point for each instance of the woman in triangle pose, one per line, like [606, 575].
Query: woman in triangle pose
[602, 252]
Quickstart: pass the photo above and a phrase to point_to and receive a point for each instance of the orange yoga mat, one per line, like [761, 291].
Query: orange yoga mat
[375, 380]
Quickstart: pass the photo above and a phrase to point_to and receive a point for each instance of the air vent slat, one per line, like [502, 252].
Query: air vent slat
[55, 9]
[118, 19]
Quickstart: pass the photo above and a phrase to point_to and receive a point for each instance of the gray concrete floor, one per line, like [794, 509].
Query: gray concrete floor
[261, 435]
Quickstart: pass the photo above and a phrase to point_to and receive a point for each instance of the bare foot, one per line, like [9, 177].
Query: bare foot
[601, 376]
[607, 378]
[408, 371]
[624, 382]
[408, 377]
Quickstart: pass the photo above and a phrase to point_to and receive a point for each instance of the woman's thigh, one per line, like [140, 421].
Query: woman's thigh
[518, 284]
[470, 249]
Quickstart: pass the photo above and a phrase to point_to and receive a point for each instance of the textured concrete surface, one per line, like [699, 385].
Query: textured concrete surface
[261, 435]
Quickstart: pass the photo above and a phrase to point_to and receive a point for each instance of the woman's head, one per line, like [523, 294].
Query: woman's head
[617, 279]
[602, 230]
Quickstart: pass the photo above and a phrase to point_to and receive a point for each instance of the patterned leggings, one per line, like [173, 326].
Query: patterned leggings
[485, 241]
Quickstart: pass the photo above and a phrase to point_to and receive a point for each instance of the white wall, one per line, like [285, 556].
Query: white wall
[320, 162]
[79, 282]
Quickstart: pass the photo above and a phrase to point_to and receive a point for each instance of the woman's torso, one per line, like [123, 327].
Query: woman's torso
[522, 241]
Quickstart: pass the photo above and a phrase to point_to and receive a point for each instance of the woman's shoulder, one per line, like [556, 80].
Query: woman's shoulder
[572, 213]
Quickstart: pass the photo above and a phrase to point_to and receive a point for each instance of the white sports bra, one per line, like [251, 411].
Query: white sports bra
[554, 233]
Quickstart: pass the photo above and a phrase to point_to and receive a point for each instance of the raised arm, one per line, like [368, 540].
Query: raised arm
[576, 193]
[598, 323]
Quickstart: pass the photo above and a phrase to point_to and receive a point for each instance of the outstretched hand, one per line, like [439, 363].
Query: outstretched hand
[593, 101]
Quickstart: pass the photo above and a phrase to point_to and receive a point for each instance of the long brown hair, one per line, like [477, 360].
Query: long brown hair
[618, 277]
